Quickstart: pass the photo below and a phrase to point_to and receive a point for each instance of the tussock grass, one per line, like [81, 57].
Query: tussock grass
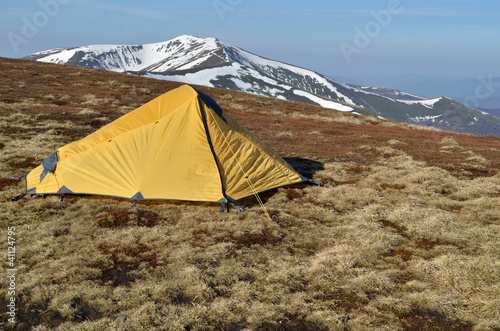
[113, 84]
[87, 112]
[449, 143]
[382, 244]
[285, 134]
[25, 104]
[93, 101]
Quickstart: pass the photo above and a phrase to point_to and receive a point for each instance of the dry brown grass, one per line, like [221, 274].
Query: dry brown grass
[404, 235]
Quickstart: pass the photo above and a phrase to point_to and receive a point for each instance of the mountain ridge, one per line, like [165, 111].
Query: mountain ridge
[213, 62]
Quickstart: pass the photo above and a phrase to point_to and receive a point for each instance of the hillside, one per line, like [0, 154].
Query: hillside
[404, 235]
[216, 63]
[495, 112]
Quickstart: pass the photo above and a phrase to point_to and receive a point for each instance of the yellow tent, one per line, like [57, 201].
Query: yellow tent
[179, 146]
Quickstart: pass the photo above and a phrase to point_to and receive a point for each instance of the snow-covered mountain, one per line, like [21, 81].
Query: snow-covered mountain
[212, 62]
[209, 62]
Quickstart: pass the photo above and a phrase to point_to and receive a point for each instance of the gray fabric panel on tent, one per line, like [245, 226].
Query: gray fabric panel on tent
[48, 165]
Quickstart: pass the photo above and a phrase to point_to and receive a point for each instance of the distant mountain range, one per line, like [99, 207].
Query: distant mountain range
[481, 91]
[213, 62]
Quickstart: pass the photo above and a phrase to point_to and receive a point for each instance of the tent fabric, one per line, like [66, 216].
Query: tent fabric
[48, 164]
[179, 146]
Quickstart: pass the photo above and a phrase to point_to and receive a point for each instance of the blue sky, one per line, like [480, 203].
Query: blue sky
[339, 38]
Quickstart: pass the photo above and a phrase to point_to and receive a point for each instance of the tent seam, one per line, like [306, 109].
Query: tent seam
[209, 140]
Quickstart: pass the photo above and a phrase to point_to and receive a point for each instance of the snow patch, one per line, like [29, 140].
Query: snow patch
[322, 102]
[429, 103]
[426, 118]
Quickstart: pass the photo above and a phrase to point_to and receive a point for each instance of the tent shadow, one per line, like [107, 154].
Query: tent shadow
[305, 167]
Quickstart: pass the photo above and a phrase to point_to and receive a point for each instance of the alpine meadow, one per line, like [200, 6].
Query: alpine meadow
[404, 234]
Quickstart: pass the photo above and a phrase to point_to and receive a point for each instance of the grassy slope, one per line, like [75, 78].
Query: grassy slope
[404, 235]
